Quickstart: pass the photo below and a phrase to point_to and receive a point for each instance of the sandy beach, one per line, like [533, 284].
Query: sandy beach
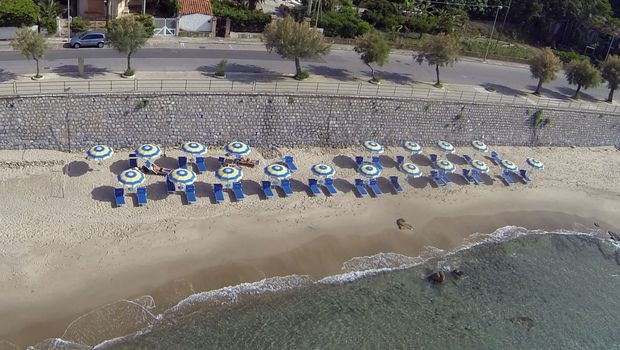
[66, 249]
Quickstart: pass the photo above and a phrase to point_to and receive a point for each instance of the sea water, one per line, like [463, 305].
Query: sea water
[520, 290]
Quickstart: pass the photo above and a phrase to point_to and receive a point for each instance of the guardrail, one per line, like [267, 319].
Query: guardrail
[302, 87]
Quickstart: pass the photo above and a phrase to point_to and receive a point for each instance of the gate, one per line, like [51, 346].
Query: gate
[165, 26]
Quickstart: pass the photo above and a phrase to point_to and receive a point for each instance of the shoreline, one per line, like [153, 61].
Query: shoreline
[206, 247]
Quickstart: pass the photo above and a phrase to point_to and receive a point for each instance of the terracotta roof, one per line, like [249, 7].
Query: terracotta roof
[195, 6]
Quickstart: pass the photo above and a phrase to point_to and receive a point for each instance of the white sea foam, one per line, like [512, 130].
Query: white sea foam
[58, 344]
[377, 261]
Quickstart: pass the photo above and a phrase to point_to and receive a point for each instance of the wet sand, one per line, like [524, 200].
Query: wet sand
[80, 253]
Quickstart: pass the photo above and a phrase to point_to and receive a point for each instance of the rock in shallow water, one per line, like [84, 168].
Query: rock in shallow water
[523, 321]
[403, 225]
[437, 277]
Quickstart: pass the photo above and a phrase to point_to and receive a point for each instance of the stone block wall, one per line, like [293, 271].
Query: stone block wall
[73, 122]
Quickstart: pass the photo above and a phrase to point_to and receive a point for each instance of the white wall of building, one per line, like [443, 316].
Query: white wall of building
[9, 32]
[196, 22]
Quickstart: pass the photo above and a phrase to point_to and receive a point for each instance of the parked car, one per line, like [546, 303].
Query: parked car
[93, 39]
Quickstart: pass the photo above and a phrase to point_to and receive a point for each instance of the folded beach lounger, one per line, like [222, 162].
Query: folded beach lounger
[467, 159]
[476, 175]
[496, 158]
[314, 187]
[200, 165]
[119, 196]
[238, 191]
[444, 177]
[267, 191]
[433, 158]
[250, 163]
[218, 191]
[400, 160]
[286, 186]
[506, 175]
[376, 161]
[468, 177]
[329, 184]
[395, 184]
[290, 163]
[222, 161]
[375, 187]
[359, 161]
[190, 194]
[141, 193]
[437, 178]
[170, 186]
[359, 185]
[524, 176]
[133, 161]
[183, 162]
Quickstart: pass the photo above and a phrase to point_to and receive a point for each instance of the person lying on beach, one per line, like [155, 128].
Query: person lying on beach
[245, 161]
[156, 169]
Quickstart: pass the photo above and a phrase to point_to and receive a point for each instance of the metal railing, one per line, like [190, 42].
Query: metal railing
[18, 88]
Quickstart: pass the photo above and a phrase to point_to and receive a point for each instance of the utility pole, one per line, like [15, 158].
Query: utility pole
[492, 32]
[506, 15]
[318, 11]
[609, 48]
[69, 18]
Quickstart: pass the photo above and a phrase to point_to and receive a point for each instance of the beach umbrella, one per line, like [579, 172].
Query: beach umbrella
[131, 178]
[479, 146]
[535, 163]
[323, 170]
[194, 148]
[411, 169]
[508, 165]
[229, 174]
[99, 152]
[373, 147]
[446, 166]
[237, 149]
[445, 146]
[412, 147]
[182, 176]
[369, 170]
[480, 166]
[148, 151]
[277, 171]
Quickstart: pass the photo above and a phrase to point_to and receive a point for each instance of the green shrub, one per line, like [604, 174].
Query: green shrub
[142, 103]
[221, 68]
[50, 25]
[148, 22]
[303, 75]
[129, 72]
[538, 118]
[346, 23]
[567, 56]
[79, 25]
[18, 13]
[241, 19]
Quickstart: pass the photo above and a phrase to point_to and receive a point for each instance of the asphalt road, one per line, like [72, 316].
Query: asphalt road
[342, 65]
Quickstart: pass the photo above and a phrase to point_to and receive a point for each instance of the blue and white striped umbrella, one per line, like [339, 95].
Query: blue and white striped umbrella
[412, 147]
[479, 146]
[182, 176]
[373, 147]
[446, 166]
[100, 152]
[508, 165]
[229, 174]
[535, 163]
[131, 178]
[323, 170]
[277, 171]
[411, 169]
[480, 166]
[445, 146]
[369, 170]
[148, 151]
[237, 149]
[194, 148]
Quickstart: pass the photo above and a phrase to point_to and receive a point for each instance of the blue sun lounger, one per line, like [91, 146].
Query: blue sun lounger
[267, 191]
[506, 175]
[314, 187]
[170, 186]
[133, 161]
[496, 158]
[437, 178]
[468, 177]
[377, 162]
[141, 193]
[190, 194]
[286, 186]
[200, 165]
[375, 187]
[395, 184]
[467, 159]
[119, 196]
[183, 162]
[329, 184]
[218, 191]
[290, 163]
[444, 177]
[400, 160]
[359, 185]
[476, 175]
[238, 191]
[433, 158]
[524, 176]
[359, 161]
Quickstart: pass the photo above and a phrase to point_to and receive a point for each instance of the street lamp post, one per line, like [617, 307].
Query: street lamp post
[69, 17]
[107, 12]
[609, 48]
[492, 32]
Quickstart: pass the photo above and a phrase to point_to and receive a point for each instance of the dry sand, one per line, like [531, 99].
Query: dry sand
[66, 250]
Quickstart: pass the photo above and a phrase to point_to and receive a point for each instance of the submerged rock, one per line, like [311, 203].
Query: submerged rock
[403, 225]
[458, 273]
[523, 321]
[614, 236]
[437, 277]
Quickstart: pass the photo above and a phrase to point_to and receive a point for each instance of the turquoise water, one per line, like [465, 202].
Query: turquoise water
[524, 291]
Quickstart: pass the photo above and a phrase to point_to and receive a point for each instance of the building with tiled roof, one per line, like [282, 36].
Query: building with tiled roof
[188, 7]
[195, 16]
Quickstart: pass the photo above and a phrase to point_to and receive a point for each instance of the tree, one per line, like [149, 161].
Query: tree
[293, 40]
[544, 67]
[127, 35]
[373, 48]
[18, 13]
[50, 9]
[610, 70]
[582, 74]
[31, 45]
[439, 51]
[149, 24]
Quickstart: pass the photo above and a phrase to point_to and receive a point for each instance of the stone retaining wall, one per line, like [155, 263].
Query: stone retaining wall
[75, 122]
